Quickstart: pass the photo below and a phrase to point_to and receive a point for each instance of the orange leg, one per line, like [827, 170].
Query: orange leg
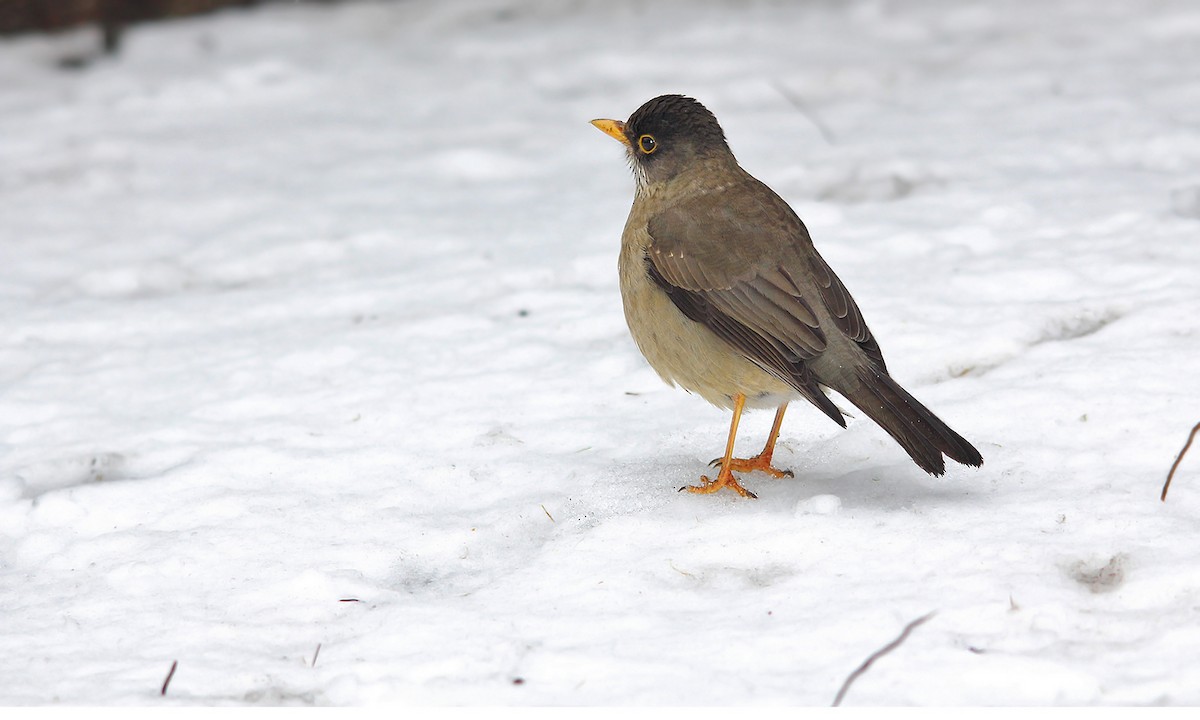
[725, 476]
[761, 461]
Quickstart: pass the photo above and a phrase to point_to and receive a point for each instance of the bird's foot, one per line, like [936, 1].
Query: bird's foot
[725, 479]
[760, 462]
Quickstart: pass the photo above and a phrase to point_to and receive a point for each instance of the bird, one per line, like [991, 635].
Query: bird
[726, 296]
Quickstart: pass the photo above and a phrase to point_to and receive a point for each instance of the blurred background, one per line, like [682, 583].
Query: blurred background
[42, 15]
[110, 16]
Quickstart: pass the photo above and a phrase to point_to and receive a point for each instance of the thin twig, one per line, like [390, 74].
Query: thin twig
[170, 674]
[878, 654]
[1178, 459]
[685, 573]
[798, 103]
[548, 514]
[318, 652]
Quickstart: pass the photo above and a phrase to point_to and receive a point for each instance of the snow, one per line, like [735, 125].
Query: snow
[310, 336]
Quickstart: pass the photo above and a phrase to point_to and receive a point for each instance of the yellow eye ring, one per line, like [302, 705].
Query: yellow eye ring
[647, 144]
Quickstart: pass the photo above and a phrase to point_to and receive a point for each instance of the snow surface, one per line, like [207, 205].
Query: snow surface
[310, 336]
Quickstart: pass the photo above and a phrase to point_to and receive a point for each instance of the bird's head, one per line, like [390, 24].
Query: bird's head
[666, 136]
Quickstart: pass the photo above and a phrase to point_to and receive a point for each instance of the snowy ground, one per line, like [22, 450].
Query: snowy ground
[310, 337]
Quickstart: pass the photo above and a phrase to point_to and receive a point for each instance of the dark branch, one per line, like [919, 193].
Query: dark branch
[170, 674]
[878, 654]
[1178, 459]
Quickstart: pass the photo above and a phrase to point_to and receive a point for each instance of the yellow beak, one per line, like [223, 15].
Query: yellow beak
[612, 128]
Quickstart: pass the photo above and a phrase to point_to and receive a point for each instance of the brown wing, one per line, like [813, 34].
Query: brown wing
[846, 314]
[741, 262]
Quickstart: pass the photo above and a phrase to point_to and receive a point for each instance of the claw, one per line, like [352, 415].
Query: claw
[724, 479]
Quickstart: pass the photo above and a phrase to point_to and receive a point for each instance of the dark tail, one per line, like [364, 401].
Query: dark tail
[922, 435]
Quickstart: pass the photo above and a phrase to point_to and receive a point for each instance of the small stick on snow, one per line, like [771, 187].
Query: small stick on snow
[170, 674]
[878, 654]
[548, 514]
[800, 105]
[318, 652]
[1178, 459]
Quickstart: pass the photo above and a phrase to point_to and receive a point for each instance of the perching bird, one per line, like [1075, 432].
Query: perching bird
[726, 296]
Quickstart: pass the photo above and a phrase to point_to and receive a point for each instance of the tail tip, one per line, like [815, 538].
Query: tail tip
[937, 466]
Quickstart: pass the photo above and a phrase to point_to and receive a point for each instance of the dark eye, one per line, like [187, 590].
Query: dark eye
[647, 144]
